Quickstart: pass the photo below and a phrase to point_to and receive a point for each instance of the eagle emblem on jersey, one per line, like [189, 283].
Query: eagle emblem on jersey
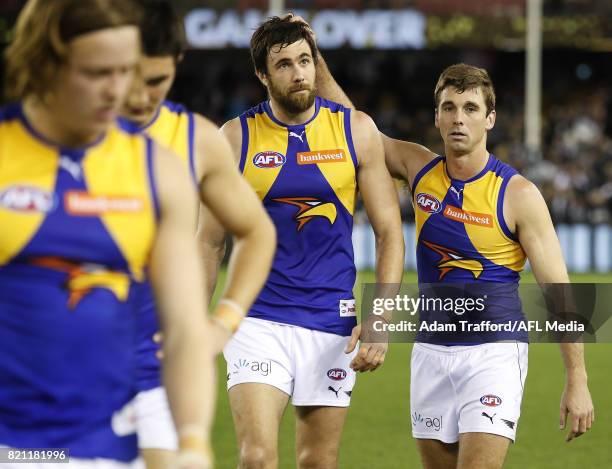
[309, 208]
[451, 259]
[83, 278]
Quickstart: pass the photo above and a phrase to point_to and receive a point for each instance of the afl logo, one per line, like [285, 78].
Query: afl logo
[27, 199]
[490, 400]
[269, 159]
[428, 203]
[337, 374]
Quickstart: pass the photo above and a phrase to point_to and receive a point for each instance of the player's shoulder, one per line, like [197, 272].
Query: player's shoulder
[232, 130]
[254, 111]
[331, 105]
[502, 169]
[363, 121]
[204, 124]
[521, 189]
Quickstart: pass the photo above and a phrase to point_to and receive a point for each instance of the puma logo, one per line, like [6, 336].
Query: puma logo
[71, 167]
[484, 414]
[456, 192]
[329, 388]
[293, 134]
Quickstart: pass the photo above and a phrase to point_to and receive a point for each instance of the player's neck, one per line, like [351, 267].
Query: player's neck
[46, 124]
[467, 165]
[289, 118]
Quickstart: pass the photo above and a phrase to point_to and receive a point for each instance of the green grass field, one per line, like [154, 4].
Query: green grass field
[377, 434]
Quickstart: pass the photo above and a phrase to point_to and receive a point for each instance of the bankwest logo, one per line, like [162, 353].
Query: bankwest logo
[473, 218]
[84, 204]
[321, 156]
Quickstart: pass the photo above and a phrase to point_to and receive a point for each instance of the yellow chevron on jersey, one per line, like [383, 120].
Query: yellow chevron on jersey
[124, 175]
[461, 231]
[60, 201]
[25, 163]
[329, 149]
[174, 128]
[305, 175]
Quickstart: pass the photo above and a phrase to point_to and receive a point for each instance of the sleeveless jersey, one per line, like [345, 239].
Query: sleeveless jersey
[463, 240]
[173, 127]
[76, 229]
[305, 176]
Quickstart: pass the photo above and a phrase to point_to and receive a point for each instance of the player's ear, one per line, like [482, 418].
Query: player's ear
[491, 120]
[262, 77]
[436, 119]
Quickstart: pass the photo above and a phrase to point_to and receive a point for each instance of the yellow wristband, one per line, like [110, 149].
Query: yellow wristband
[191, 440]
[228, 314]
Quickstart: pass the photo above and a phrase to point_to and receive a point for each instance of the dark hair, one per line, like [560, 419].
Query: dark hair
[466, 77]
[278, 31]
[161, 29]
[42, 33]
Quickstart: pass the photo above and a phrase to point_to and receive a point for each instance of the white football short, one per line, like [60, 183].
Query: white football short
[154, 423]
[464, 389]
[308, 365]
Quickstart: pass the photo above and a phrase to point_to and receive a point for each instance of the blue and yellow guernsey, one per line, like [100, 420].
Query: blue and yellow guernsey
[76, 230]
[305, 176]
[174, 127]
[463, 240]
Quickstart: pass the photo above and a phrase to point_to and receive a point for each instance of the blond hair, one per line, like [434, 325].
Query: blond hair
[42, 33]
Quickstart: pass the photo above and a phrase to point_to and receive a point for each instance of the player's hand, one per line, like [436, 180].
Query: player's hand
[299, 19]
[576, 409]
[371, 354]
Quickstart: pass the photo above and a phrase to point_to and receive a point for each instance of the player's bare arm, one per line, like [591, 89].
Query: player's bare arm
[211, 234]
[381, 204]
[176, 274]
[236, 209]
[403, 159]
[528, 216]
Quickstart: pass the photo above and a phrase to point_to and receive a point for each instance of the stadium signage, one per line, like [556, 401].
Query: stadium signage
[490, 400]
[377, 29]
[26, 199]
[337, 374]
[428, 203]
[269, 159]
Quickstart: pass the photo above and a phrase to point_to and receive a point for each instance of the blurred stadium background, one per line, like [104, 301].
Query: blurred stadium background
[554, 124]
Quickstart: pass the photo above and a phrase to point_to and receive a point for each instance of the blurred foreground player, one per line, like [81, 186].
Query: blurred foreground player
[477, 221]
[204, 150]
[84, 206]
[306, 158]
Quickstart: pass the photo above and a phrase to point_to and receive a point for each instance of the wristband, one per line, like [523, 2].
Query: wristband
[228, 314]
[192, 441]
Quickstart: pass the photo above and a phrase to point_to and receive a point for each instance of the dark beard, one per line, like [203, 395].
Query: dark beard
[293, 103]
